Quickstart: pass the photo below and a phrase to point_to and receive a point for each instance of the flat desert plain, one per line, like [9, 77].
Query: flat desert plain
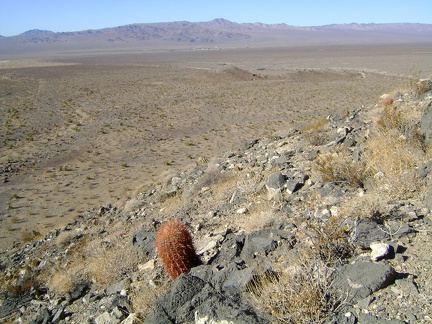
[83, 129]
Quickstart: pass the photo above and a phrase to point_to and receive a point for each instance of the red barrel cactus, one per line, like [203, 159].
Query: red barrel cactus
[175, 248]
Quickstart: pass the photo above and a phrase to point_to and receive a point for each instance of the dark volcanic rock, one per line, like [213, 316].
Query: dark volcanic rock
[145, 241]
[360, 279]
[192, 300]
[276, 181]
[365, 232]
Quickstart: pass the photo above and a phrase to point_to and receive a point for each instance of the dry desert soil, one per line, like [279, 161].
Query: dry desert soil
[83, 129]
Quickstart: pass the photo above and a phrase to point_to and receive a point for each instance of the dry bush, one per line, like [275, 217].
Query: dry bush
[28, 235]
[369, 205]
[391, 118]
[303, 293]
[330, 240]
[18, 283]
[211, 177]
[108, 264]
[259, 216]
[60, 282]
[338, 167]
[392, 159]
[143, 297]
[414, 86]
[300, 294]
[404, 120]
[313, 131]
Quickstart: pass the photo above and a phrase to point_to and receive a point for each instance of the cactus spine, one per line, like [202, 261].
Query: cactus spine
[175, 248]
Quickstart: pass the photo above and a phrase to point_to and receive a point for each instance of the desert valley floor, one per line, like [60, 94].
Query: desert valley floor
[83, 129]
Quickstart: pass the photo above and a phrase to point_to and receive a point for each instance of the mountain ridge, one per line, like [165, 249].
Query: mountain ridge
[217, 32]
[227, 24]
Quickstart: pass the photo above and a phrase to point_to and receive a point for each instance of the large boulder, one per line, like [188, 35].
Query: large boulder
[360, 279]
[193, 300]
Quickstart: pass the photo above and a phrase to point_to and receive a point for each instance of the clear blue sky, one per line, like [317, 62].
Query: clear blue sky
[17, 16]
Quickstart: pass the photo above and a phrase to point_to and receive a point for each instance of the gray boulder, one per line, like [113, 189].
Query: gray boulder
[144, 240]
[276, 181]
[360, 279]
[192, 300]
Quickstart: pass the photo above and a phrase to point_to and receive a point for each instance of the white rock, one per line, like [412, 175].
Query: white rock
[106, 318]
[334, 210]
[379, 251]
[210, 245]
[149, 265]
[131, 319]
[242, 210]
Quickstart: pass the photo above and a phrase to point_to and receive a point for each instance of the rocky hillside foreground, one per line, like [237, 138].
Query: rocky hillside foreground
[329, 223]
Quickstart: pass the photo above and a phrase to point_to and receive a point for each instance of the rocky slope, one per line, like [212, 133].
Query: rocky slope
[301, 227]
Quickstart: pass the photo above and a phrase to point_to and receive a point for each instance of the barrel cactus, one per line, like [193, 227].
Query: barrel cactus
[175, 248]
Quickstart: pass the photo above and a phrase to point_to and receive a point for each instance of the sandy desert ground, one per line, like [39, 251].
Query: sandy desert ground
[82, 129]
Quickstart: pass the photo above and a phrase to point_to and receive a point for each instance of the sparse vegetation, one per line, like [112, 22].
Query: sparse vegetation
[337, 166]
[300, 294]
[106, 265]
[143, 130]
[313, 131]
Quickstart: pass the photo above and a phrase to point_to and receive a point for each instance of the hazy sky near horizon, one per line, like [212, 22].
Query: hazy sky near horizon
[18, 16]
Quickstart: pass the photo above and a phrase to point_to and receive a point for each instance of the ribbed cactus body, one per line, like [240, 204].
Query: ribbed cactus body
[175, 248]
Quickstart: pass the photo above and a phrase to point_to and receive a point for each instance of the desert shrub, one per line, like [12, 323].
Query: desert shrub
[303, 292]
[391, 118]
[367, 205]
[392, 159]
[28, 235]
[143, 298]
[404, 120]
[330, 240]
[60, 282]
[415, 86]
[300, 294]
[20, 282]
[108, 264]
[338, 167]
[313, 131]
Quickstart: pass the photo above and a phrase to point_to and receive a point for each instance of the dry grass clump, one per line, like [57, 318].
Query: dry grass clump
[18, 283]
[300, 294]
[367, 205]
[108, 264]
[28, 235]
[144, 296]
[313, 131]
[60, 282]
[330, 240]
[338, 167]
[259, 216]
[389, 155]
[415, 87]
[403, 120]
[392, 159]
[396, 147]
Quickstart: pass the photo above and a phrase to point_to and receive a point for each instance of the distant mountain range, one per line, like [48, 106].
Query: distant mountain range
[219, 31]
